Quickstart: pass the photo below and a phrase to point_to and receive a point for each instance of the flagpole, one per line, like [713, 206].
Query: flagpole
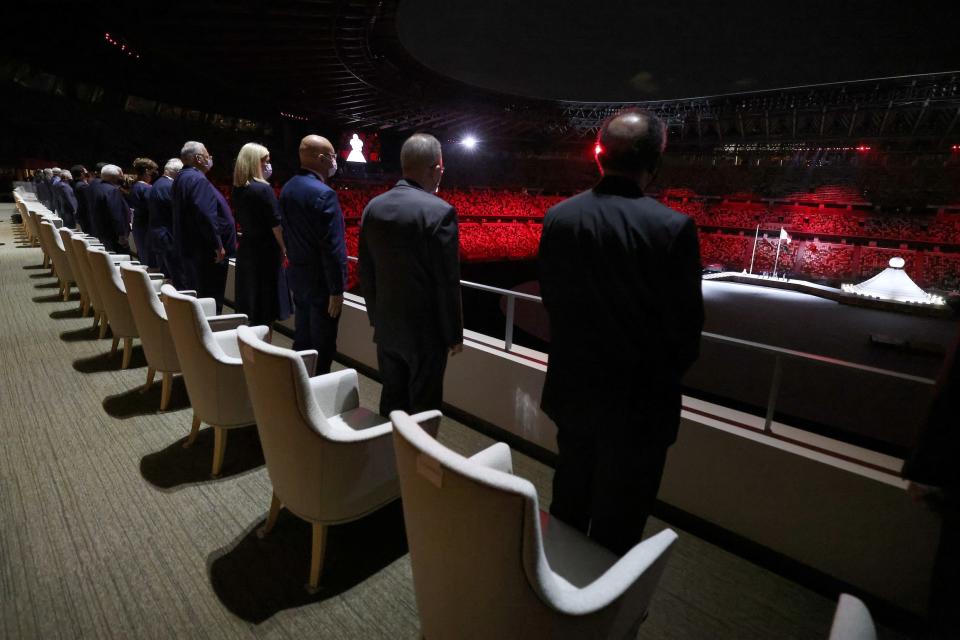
[756, 237]
[777, 260]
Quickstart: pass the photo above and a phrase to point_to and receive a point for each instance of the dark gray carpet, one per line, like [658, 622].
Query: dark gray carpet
[109, 529]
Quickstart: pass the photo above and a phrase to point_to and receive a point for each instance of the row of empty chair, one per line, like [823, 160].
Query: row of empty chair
[487, 562]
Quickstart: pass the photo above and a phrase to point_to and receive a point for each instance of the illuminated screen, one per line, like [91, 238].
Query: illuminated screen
[359, 147]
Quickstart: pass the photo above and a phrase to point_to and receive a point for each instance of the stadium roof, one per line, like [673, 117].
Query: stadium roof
[342, 62]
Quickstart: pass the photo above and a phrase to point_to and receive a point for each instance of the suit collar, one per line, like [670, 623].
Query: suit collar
[407, 182]
[618, 186]
[310, 172]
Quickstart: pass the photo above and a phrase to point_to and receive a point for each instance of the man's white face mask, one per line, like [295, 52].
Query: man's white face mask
[333, 168]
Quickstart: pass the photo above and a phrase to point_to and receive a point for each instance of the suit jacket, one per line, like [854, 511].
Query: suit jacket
[67, 203]
[160, 204]
[620, 278]
[90, 193]
[83, 209]
[55, 195]
[195, 208]
[111, 213]
[410, 269]
[137, 198]
[313, 234]
[43, 192]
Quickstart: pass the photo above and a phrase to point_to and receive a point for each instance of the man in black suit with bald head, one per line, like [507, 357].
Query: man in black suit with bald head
[620, 279]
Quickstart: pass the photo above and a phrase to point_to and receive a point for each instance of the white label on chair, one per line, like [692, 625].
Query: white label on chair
[430, 469]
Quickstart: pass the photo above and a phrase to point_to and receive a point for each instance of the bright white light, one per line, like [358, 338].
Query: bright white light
[897, 263]
[469, 142]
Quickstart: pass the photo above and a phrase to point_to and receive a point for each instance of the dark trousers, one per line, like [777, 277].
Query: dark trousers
[606, 483]
[314, 328]
[412, 381]
[213, 281]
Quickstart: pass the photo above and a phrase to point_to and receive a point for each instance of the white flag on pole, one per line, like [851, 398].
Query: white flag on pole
[784, 235]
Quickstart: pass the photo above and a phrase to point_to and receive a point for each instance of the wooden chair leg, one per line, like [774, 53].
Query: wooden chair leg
[275, 506]
[113, 347]
[219, 446]
[96, 318]
[151, 373]
[165, 389]
[127, 352]
[317, 552]
[194, 430]
[66, 292]
[104, 324]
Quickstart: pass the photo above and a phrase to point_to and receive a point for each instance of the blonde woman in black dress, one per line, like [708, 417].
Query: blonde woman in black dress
[261, 290]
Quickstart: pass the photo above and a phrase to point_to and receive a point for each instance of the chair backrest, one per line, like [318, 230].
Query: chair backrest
[852, 620]
[66, 239]
[112, 293]
[304, 464]
[80, 246]
[57, 253]
[471, 530]
[42, 235]
[151, 319]
[214, 380]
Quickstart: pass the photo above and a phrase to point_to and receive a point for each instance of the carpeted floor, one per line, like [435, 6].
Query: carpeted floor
[110, 529]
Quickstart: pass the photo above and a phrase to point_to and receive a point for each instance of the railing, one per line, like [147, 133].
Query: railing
[779, 353]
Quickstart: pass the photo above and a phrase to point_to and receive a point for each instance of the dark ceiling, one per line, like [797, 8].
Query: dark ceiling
[351, 63]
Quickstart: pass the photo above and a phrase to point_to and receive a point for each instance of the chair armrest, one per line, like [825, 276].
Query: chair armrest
[156, 284]
[429, 421]
[626, 575]
[496, 456]
[208, 306]
[227, 340]
[227, 321]
[336, 392]
[309, 357]
[190, 292]
[155, 276]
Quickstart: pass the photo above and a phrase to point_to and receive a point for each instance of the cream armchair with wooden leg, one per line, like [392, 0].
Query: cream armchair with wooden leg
[66, 239]
[154, 329]
[212, 369]
[487, 563]
[81, 247]
[61, 263]
[114, 297]
[330, 460]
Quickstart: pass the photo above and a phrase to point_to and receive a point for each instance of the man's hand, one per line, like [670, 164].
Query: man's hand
[455, 349]
[221, 254]
[334, 306]
[921, 492]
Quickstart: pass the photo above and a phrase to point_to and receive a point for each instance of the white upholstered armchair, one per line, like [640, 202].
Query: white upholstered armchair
[211, 367]
[61, 264]
[852, 620]
[330, 460]
[113, 294]
[488, 564]
[154, 329]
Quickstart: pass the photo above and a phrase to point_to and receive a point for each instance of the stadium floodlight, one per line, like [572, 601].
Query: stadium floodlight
[469, 142]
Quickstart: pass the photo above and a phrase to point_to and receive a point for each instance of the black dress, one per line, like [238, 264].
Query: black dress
[260, 288]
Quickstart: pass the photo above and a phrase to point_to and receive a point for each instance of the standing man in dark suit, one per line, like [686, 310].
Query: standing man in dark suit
[90, 194]
[110, 210]
[200, 225]
[55, 205]
[81, 182]
[43, 188]
[410, 278]
[316, 248]
[160, 235]
[620, 279]
[66, 200]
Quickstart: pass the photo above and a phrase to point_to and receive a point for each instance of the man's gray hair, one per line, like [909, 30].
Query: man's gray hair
[420, 151]
[111, 170]
[191, 148]
[174, 165]
[48, 171]
[56, 171]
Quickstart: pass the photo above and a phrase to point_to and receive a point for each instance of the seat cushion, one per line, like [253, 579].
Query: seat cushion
[572, 556]
[356, 420]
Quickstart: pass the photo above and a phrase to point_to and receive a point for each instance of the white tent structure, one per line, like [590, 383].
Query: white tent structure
[893, 283]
